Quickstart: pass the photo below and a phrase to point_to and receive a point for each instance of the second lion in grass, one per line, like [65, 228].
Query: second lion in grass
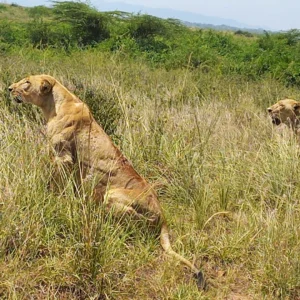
[285, 114]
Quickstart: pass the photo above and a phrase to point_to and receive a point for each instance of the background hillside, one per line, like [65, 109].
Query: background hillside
[188, 107]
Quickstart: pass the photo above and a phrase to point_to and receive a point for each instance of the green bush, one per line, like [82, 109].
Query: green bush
[244, 33]
[3, 7]
[37, 12]
[12, 33]
[88, 26]
[43, 34]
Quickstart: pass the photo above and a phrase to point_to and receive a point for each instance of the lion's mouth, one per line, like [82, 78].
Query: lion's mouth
[18, 99]
[276, 120]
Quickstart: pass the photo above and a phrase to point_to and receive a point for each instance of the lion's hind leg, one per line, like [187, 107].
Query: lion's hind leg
[120, 202]
[130, 202]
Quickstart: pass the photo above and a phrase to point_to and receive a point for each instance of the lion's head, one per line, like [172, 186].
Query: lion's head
[32, 89]
[285, 112]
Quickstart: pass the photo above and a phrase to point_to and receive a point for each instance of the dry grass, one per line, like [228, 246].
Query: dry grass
[228, 183]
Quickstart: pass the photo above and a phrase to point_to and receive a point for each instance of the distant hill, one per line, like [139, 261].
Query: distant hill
[225, 27]
[188, 18]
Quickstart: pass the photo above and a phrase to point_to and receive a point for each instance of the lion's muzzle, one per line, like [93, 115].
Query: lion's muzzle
[276, 120]
[274, 117]
[18, 99]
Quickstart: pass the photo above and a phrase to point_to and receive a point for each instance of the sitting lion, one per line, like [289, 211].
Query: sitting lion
[81, 144]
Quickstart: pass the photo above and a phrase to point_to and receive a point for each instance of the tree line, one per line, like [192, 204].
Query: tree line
[161, 42]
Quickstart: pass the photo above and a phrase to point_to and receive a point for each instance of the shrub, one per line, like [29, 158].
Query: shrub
[88, 25]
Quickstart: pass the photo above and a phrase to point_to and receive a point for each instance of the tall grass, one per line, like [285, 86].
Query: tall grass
[228, 184]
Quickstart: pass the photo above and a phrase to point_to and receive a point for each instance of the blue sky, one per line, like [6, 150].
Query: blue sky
[276, 14]
[272, 14]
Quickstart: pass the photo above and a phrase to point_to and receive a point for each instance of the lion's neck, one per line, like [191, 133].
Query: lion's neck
[60, 95]
[48, 109]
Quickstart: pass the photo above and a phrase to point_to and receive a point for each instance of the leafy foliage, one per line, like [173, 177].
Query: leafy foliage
[160, 42]
[146, 26]
[40, 11]
[88, 25]
[43, 34]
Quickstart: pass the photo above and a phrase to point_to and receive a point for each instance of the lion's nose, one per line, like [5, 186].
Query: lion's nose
[10, 89]
[269, 109]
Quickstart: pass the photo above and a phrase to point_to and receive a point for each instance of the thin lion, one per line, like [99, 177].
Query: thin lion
[80, 143]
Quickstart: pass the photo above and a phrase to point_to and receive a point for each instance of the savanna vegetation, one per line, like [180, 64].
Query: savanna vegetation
[188, 108]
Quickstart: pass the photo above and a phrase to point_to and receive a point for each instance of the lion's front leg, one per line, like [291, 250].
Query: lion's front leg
[62, 167]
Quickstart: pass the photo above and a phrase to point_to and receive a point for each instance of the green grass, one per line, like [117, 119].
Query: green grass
[13, 13]
[228, 184]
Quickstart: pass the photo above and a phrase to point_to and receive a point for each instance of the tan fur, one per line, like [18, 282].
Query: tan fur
[286, 113]
[79, 141]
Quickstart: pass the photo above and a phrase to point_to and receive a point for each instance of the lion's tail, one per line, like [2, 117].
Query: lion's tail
[166, 245]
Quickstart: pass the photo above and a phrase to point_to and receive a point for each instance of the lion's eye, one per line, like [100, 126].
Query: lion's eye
[26, 85]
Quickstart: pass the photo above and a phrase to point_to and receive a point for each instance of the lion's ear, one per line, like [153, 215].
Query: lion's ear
[45, 87]
[296, 107]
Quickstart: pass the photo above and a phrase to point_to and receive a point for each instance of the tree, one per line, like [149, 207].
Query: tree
[88, 25]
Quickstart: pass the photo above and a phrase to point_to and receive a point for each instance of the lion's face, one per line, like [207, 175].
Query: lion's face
[284, 111]
[32, 89]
